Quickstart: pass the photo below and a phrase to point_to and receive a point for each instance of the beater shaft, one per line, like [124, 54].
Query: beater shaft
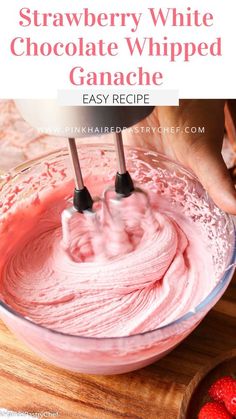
[79, 183]
[120, 153]
[82, 199]
[123, 183]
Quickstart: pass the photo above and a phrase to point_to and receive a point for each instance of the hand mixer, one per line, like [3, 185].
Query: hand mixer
[49, 117]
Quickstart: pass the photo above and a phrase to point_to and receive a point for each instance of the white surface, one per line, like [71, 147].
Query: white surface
[107, 97]
[41, 77]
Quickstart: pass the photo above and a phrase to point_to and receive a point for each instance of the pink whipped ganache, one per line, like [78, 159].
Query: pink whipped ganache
[137, 265]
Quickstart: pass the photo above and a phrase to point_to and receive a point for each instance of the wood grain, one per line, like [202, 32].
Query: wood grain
[29, 384]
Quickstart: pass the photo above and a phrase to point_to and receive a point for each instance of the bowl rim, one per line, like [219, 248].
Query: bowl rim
[224, 281]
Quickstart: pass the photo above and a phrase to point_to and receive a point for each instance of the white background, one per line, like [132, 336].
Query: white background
[203, 77]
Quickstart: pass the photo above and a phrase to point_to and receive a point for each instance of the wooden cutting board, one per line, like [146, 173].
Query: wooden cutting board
[31, 385]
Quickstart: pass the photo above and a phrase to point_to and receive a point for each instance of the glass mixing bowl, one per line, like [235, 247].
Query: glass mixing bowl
[127, 353]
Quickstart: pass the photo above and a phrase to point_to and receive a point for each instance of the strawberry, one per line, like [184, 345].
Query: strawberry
[222, 388]
[230, 401]
[214, 410]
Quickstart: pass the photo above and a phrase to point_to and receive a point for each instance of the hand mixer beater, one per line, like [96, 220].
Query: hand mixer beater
[50, 117]
[123, 183]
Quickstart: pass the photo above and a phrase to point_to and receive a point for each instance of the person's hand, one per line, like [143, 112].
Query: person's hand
[200, 152]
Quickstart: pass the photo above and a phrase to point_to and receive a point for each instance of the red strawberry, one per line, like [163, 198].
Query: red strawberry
[230, 401]
[221, 388]
[214, 410]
